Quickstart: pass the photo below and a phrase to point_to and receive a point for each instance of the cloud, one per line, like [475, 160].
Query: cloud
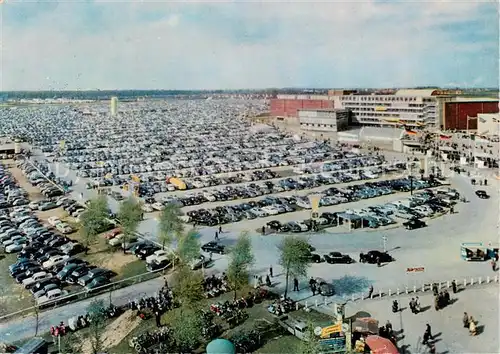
[209, 45]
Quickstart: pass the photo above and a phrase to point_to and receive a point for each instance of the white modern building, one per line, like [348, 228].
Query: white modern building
[414, 108]
[113, 106]
[488, 124]
[325, 119]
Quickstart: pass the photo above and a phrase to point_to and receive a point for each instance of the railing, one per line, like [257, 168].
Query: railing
[463, 283]
[87, 294]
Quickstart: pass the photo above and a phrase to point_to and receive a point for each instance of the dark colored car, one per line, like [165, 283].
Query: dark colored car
[482, 194]
[414, 224]
[147, 251]
[213, 247]
[97, 282]
[314, 258]
[372, 256]
[337, 257]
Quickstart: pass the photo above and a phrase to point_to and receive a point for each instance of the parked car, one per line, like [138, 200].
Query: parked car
[337, 257]
[482, 194]
[414, 224]
[52, 297]
[213, 247]
[372, 256]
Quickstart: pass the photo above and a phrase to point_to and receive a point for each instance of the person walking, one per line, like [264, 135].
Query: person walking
[454, 286]
[370, 291]
[436, 302]
[271, 271]
[313, 289]
[412, 305]
[465, 320]
[220, 229]
[493, 265]
[428, 330]
[295, 284]
[378, 262]
[216, 236]
[417, 305]
[158, 319]
[263, 230]
[472, 326]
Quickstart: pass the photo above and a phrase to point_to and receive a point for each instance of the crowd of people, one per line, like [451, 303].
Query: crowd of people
[157, 305]
[215, 285]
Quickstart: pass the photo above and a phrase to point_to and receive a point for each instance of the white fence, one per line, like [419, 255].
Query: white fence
[462, 284]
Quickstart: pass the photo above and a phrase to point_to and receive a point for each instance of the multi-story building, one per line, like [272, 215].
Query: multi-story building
[413, 108]
[325, 120]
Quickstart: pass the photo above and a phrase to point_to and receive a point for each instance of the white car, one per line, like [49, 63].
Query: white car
[51, 295]
[55, 260]
[147, 208]
[64, 228]
[53, 220]
[119, 239]
[34, 205]
[209, 196]
[36, 277]
[16, 246]
[303, 203]
[60, 201]
[156, 255]
[270, 210]
[303, 227]
[158, 206]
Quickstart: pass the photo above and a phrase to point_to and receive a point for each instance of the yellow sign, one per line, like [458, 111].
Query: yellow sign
[380, 108]
[314, 200]
[62, 144]
[327, 331]
[136, 179]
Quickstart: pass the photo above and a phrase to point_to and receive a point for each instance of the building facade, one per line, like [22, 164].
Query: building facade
[324, 120]
[488, 124]
[462, 113]
[288, 105]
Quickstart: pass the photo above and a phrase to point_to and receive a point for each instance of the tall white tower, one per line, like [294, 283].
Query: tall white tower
[114, 106]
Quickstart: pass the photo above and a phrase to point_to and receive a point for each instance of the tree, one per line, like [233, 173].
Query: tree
[294, 257]
[70, 344]
[97, 314]
[130, 216]
[311, 344]
[187, 330]
[188, 246]
[241, 258]
[93, 219]
[188, 287]
[170, 226]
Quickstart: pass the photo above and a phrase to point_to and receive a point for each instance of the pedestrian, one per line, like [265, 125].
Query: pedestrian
[493, 265]
[268, 281]
[436, 303]
[465, 320]
[313, 289]
[378, 261]
[472, 326]
[452, 210]
[446, 298]
[417, 305]
[428, 330]
[395, 306]
[426, 339]
[312, 282]
[370, 291]
[361, 258]
[263, 230]
[412, 305]
[271, 271]
[210, 255]
[216, 236]
[295, 284]
[220, 229]
[157, 318]
[454, 286]
[166, 281]
[388, 328]
[435, 289]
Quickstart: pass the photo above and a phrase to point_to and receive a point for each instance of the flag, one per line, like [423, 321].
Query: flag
[444, 137]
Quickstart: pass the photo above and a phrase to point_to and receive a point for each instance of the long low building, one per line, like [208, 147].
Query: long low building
[414, 108]
[325, 120]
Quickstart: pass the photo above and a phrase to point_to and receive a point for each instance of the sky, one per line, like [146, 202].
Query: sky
[91, 44]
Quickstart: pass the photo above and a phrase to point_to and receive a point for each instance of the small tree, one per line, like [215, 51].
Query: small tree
[241, 259]
[188, 287]
[188, 246]
[294, 257]
[70, 344]
[130, 216]
[93, 219]
[96, 311]
[187, 330]
[311, 344]
[170, 225]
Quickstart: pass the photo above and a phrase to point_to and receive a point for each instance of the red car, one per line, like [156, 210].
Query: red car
[111, 234]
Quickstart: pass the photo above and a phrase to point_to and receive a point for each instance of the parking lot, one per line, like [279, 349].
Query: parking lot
[240, 178]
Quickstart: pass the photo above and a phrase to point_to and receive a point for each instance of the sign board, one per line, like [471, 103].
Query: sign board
[333, 344]
[415, 270]
[327, 331]
[314, 200]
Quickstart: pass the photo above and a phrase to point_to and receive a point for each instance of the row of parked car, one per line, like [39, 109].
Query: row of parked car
[272, 205]
[11, 194]
[253, 190]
